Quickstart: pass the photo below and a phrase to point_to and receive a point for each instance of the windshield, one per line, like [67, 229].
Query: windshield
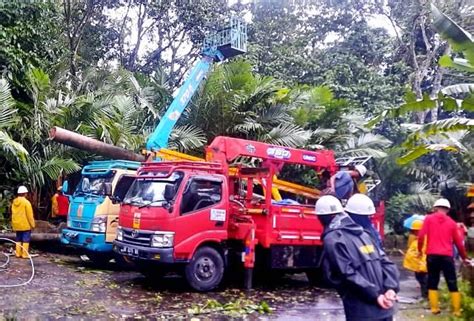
[145, 191]
[92, 185]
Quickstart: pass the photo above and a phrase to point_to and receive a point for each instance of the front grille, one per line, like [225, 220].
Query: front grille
[137, 237]
[80, 225]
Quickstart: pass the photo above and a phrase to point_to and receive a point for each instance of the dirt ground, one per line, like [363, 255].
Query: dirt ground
[66, 287]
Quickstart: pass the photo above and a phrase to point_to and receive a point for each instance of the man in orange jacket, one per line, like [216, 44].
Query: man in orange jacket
[22, 222]
[441, 232]
[59, 205]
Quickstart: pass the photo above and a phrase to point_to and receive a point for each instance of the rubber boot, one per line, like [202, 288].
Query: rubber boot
[18, 250]
[456, 303]
[434, 301]
[26, 248]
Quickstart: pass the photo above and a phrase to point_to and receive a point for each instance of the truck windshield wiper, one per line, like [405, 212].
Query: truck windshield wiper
[149, 204]
[85, 193]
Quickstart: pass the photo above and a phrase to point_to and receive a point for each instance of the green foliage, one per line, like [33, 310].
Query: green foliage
[235, 308]
[418, 200]
[30, 35]
[467, 300]
[237, 102]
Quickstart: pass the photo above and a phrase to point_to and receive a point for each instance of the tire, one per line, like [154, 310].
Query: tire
[206, 269]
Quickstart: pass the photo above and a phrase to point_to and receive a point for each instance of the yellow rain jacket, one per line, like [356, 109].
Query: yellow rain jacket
[412, 261]
[22, 215]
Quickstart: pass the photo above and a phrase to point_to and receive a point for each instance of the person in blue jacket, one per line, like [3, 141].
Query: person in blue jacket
[344, 183]
[366, 280]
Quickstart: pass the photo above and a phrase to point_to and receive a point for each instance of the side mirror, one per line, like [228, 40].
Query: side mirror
[65, 187]
[169, 192]
[108, 188]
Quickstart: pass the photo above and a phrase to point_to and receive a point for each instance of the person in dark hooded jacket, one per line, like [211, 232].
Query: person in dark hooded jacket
[360, 208]
[364, 277]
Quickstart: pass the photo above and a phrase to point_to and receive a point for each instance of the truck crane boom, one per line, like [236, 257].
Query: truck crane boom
[225, 43]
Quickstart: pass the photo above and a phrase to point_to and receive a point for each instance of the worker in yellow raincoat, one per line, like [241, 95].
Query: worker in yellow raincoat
[415, 262]
[22, 222]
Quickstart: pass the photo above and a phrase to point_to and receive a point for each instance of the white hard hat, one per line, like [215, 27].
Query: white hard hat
[22, 190]
[360, 204]
[361, 169]
[442, 202]
[328, 204]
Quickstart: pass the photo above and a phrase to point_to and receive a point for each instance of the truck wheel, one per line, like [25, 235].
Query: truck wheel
[206, 269]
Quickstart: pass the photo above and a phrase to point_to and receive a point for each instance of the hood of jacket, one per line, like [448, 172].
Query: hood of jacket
[343, 222]
[17, 202]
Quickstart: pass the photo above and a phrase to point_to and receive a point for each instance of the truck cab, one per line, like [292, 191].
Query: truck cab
[169, 209]
[93, 216]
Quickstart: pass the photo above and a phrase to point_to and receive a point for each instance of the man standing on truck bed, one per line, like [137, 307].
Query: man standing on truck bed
[364, 277]
[441, 232]
[343, 184]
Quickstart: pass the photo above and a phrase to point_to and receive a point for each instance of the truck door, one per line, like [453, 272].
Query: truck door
[203, 213]
[121, 188]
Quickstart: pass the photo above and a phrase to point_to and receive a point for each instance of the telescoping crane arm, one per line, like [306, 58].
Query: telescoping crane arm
[226, 149]
[159, 137]
[225, 43]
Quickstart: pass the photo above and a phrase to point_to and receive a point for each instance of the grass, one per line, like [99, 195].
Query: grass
[419, 311]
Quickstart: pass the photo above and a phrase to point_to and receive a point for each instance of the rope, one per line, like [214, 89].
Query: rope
[8, 261]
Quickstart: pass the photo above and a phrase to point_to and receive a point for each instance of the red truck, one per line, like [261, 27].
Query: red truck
[205, 217]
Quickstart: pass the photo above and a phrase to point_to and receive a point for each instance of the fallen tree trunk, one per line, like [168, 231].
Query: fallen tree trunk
[91, 145]
[35, 237]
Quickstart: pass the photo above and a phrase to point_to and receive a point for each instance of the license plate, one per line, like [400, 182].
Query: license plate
[71, 235]
[129, 250]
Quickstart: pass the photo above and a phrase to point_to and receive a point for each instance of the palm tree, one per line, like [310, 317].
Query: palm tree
[8, 119]
[236, 102]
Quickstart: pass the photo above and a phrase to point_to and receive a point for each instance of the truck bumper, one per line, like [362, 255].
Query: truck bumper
[88, 240]
[158, 255]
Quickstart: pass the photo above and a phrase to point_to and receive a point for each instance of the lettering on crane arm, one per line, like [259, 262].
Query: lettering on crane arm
[250, 148]
[174, 115]
[186, 95]
[278, 153]
[309, 158]
[217, 215]
[199, 75]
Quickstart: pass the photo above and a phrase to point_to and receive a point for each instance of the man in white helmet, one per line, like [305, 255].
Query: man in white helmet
[366, 280]
[22, 222]
[441, 232]
[360, 208]
[344, 183]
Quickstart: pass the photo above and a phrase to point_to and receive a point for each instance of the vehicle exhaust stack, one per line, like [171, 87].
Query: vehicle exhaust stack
[91, 145]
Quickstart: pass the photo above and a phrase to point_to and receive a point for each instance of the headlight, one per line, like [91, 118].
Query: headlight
[119, 234]
[99, 224]
[162, 239]
[69, 223]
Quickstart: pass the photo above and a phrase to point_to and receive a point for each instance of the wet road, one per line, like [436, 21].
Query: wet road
[67, 287]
